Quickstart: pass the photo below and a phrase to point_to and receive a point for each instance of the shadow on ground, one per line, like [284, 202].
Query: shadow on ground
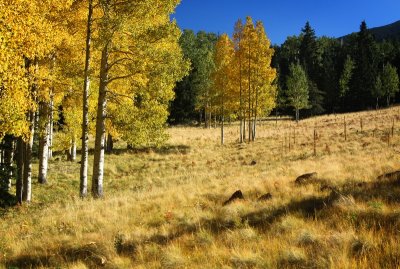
[7, 200]
[311, 207]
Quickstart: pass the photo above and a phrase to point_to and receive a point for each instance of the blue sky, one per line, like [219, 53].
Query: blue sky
[286, 17]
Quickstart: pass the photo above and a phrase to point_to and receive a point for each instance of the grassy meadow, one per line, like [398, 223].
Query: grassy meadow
[163, 207]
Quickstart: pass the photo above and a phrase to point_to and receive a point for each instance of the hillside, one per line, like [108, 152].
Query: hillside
[163, 208]
[390, 31]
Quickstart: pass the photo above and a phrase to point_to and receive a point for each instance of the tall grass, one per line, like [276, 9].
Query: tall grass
[163, 207]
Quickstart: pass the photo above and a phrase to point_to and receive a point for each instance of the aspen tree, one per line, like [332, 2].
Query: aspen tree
[125, 26]
[223, 57]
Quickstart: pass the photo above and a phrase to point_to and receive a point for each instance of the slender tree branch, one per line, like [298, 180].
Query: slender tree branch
[116, 62]
[120, 77]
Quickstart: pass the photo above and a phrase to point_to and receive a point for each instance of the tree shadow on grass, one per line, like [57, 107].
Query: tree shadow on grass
[7, 200]
[164, 150]
[260, 219]
[311, 207]
[388, 191]
[92, 255]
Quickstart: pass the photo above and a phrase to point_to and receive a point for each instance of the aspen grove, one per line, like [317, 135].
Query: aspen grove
[104, 69]
[107, 70]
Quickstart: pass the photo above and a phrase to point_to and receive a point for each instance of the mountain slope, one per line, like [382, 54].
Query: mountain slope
[390, 31]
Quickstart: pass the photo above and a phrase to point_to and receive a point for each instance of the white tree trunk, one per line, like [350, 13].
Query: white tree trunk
[73, 150]
[98, 164]
[254, 128]
[222, 130]
[241, 131]
[20, 169]
[244, 128]
[44, 137]
[51, 126]
[209, 119]
[85, 116]
[27, 182]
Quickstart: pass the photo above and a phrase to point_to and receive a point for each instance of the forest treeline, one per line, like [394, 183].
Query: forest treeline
[316, 75]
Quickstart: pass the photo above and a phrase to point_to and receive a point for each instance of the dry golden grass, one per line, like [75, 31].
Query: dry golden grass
[163, 208]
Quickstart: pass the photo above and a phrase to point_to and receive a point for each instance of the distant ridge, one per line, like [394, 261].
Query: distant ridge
[390, 31]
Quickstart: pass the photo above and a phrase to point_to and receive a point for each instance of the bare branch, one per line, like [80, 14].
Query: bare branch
[116, 62]
[120, 77]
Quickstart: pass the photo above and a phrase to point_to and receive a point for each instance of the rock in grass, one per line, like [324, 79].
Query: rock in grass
[253, 162]
[235, 196]
[393, 176]
[304, 179]
[265, 197]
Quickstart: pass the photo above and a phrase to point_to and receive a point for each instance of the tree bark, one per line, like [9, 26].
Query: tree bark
[205, 117]
[51, 116]
[43, 141]
[222, 130]
[51, 126]
[85, 114]
[241, 130]
[27, 182]
[254, 129]
[110, 143]
[7, 161]
[297, 115]
[20, 169]
[200, 118]
[98, 165]
[249, 94]
[244, 127]
[209, 119]
[1, 154]
[73, 150]
[222, 117]
[241, 140]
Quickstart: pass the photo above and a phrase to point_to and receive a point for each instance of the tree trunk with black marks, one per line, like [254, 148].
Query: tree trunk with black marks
[72, 150]
[44, 135]
[27, 182]
[20, 169]
[110, 143]
[85, 114]
[7, 161]
[98, 164]
[51, 125]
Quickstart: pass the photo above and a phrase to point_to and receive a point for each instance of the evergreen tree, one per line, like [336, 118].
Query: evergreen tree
[309, 59]
[194, 92]
[205, 66]
[365, 71]
[308, 52]
[182, 108]
[329, 72]
[316, 99]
